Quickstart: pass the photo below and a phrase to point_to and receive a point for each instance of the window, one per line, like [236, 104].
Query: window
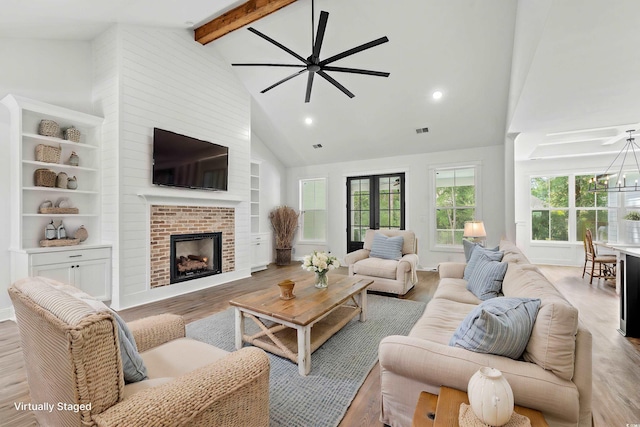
[455, 203]
[313, 209]
[562, 209]
[592, 211]
[550, 208]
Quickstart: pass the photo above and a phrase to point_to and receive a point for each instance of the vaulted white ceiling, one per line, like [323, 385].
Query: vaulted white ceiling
[574, 67]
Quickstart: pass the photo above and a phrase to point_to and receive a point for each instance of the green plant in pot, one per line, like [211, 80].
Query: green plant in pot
[284, 221]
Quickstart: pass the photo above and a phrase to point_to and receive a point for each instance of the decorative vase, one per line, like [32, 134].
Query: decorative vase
[283, 256]
[490, 397]
[72, 183]
[286, 289]
[322, 281]
[74, 160]
[81, 233]
[61, 180]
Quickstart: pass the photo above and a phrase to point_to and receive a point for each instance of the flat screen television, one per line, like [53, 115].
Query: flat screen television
[183, 161]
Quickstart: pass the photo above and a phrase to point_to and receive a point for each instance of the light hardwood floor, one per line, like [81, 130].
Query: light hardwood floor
[616, 359]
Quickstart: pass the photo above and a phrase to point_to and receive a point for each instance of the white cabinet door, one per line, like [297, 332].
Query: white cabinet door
[60, 272]
[94, 277]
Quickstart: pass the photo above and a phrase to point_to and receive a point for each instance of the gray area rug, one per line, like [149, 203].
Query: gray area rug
[338, 367]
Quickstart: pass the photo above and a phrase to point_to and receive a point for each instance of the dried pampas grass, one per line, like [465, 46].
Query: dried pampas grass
[284, 221]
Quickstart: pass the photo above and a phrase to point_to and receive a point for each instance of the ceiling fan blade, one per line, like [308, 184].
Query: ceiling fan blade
[307, 97]
[269, 65]
[280, 45]
[283, 80]
[357, 71]
[331, 80]
[322, 26]
[354, 50]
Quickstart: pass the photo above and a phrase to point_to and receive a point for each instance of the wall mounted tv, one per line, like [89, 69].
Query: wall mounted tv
[182, 161]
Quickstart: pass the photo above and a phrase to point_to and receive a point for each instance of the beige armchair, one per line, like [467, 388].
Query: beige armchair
[73, 362]
[389, 275]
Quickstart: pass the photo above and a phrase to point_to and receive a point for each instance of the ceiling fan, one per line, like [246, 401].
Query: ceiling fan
[313, 64]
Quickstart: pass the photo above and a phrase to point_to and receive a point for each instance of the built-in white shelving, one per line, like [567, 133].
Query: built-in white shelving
[87, 265]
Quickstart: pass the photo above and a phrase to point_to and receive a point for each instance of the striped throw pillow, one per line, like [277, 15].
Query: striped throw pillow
[476, 255]
[499, 326]
[386, 247]
[486, 279]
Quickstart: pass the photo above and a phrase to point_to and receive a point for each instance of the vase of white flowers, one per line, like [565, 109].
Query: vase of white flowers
[320, 263]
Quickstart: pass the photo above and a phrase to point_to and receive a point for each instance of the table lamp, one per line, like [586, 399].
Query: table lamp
[474, 231]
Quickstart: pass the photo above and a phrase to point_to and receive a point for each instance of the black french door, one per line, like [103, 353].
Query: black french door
[373, 201]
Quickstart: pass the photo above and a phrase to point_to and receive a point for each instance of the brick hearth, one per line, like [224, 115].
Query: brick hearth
[168, 220]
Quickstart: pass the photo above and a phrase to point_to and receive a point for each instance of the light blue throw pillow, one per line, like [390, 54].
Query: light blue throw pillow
[386, 247]
[476, 255]
[469, 246]
[499, 326]
[132, 364]
[487, 276]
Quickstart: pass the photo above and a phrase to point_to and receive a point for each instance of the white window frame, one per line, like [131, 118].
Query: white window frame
[477, 167]
[301, 182]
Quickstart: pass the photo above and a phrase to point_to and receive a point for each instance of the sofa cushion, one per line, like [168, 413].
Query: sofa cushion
[455, 290]
[499, 326]
[180, 356]
[476, 256]
[386, 247]
[512, 253]
[440, 320]
[469, 246]
[486, 280]
[553, 340]
[376, 267]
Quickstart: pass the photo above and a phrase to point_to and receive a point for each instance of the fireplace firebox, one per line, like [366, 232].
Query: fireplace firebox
[195, 255]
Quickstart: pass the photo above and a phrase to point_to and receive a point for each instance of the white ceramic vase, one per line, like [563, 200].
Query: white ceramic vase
[490, 396]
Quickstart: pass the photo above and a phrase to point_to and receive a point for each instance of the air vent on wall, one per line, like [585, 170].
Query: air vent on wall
[422, 130]
[317, 145]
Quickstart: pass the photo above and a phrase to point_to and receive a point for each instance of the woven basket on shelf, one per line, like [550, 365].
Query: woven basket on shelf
[44, 178]
[72, 134]
[59, 242]
[49, 128]
[48, 154]
[53, 211]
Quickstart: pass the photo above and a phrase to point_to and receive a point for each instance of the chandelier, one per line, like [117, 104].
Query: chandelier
[617, 182]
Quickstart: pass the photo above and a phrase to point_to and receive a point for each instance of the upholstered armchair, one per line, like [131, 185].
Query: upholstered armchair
[73, 362]
[394, 274]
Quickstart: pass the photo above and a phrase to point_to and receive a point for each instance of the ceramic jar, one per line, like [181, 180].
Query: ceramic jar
[74, 160]
[61, 233]
[62, 180]
[50, 231]
[490, 397]
[72, 183]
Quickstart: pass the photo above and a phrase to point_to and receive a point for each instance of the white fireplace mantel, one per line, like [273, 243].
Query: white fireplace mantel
[183, 197]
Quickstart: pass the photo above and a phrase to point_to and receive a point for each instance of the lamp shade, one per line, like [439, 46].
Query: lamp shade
[474, 229]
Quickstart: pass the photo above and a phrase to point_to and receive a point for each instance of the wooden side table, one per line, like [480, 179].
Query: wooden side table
[443, 410]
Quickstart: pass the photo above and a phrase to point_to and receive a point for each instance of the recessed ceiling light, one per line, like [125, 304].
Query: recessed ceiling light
[308, 120]
[437, 94]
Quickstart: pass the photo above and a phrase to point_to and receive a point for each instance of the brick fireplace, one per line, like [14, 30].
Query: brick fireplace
[180, 220]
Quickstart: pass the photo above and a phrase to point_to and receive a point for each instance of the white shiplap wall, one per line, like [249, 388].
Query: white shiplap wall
[166, 80]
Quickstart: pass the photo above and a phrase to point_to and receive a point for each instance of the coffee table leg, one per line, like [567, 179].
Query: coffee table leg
[363, 305]
[304, 350]
[239, 328]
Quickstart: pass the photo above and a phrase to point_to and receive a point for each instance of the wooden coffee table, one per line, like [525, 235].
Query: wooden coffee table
[444, 410]
[297, 327]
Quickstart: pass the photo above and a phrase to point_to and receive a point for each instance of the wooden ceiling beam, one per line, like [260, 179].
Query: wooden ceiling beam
[236, 18]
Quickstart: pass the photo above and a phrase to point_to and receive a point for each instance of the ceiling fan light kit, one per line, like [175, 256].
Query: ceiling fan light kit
[313, 64]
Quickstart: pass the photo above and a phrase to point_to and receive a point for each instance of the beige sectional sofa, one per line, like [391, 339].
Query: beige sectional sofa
[553, 375]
